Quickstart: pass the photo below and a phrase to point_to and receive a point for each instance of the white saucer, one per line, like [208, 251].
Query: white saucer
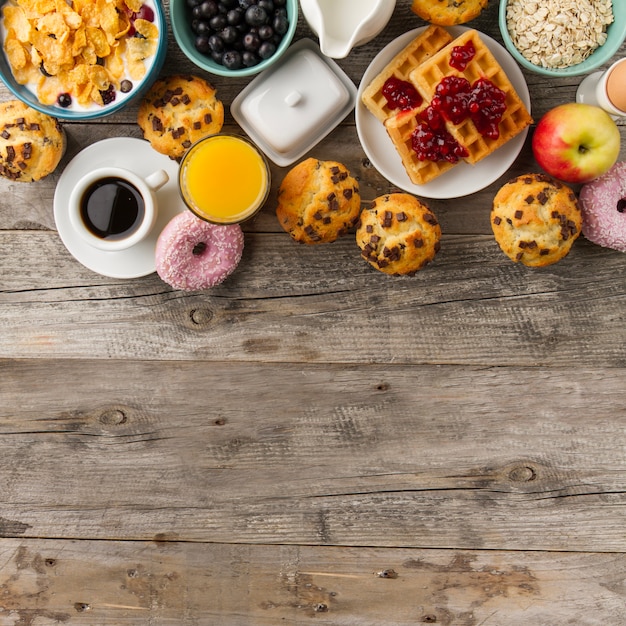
[138, 156]
[462, 180]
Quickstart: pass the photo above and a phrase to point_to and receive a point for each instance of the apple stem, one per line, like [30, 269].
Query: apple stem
[621, 205]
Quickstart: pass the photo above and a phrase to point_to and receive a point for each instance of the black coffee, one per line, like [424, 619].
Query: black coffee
[112, 208]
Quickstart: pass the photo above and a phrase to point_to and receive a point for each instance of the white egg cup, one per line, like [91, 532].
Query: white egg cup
[592, 90]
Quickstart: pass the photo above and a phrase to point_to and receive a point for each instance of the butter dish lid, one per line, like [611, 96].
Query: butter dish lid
[290, 107]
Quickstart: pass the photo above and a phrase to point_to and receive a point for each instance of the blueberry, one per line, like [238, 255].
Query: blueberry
[108, 95]
[218, 22]
[256, 15]
[229, 34]
[251, 42]
[267, 5]
[234, 16]
[266, 50]
[126, 86]
[245, 4]
[232, 60]
[281, 24]
[250, 59]
[201, 44]
[200, 27]
[208, 8]
[64, 100]
[192, 3]
[266, 32]
[216, 44]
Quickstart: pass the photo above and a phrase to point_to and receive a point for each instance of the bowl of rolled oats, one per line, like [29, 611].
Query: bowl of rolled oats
[562, 37]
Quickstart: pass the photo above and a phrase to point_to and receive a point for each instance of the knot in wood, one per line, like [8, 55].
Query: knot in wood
[113, 417]
[522, 474]
[200, 317]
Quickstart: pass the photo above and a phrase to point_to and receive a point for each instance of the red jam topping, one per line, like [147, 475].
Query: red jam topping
[455, 100]
[432, 142]
[451, 98]
[483, 102]
[400, 94]
[462, 55]
[486, 106]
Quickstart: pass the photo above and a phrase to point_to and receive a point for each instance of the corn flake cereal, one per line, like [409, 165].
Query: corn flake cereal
[81, 49]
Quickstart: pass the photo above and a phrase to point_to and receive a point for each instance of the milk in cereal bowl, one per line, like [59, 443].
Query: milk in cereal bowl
[562, 37]
[81, 59]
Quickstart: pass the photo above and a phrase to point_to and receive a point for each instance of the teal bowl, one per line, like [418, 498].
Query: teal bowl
[616, 33]
[26, 95]
[180, 19]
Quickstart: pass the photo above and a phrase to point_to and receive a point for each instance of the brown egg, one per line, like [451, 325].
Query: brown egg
[616, 86]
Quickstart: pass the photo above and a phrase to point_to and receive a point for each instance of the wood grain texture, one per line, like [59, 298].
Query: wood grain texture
[288, 302]
[98, 583]
[472, 458]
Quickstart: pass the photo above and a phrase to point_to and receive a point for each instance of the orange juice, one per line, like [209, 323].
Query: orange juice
[224, 179]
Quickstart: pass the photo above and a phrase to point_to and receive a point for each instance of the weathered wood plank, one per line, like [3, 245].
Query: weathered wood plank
[178, 584]
[449, 457]
[288, 302]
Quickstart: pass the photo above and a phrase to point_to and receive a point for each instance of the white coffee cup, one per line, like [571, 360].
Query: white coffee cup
[112, 208]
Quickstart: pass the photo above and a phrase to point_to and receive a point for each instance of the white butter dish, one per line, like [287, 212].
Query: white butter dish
[289, 108]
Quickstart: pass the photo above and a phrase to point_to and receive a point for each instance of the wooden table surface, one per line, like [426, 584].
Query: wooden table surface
[313, 441]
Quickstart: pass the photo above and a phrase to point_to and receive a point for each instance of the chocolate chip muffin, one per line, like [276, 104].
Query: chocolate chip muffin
[398, 234]
[31, 143]
[448, 12]
[177, 111]
[318, 201]
[535, 219]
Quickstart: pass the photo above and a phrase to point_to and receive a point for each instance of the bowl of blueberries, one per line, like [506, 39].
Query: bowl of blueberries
[233, 37]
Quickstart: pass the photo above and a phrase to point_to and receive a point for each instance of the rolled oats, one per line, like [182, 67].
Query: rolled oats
[559, 33]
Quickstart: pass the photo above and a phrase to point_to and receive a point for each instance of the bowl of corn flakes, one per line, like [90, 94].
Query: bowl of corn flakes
[81, 60]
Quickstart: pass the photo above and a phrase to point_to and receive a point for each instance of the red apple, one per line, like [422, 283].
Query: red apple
[576, 142]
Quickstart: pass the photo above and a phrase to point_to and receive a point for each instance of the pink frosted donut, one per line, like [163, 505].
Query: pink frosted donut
[603, 208]
[192, 254]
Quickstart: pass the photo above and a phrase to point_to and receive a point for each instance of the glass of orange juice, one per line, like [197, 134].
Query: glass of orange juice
[224, 179]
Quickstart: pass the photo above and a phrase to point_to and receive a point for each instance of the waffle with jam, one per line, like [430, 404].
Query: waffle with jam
[467, 85]
[468, 109]
[391, 91]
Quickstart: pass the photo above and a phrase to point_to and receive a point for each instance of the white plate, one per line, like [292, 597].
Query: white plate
[133, 154]
[461, 180]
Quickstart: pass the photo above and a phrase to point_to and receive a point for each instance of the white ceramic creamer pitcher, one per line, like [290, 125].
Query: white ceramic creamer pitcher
[343, 24]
